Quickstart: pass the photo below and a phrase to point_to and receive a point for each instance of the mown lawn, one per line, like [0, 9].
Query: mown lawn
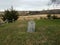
[47, 33]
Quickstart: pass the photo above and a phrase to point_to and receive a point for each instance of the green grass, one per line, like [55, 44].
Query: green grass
[47, 33]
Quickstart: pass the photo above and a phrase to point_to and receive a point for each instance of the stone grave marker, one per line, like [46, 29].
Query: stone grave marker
[31, 26]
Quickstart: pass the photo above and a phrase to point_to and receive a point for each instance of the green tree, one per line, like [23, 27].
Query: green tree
[10, 15]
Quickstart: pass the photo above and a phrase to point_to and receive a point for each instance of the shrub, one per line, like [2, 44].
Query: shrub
[49, 16]
[54, 17]
[10, 15]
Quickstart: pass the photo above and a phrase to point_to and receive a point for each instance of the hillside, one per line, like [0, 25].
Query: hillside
[47, 32]
[53, 11]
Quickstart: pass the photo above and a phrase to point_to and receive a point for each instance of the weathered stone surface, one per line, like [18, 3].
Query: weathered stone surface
[31, 26]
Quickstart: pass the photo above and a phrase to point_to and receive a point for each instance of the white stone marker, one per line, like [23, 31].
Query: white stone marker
[31, 26]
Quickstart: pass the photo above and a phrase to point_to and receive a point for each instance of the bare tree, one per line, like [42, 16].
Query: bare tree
[55, 2]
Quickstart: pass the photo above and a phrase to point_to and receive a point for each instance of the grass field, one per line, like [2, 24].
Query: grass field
[47, 33]
[38, 16]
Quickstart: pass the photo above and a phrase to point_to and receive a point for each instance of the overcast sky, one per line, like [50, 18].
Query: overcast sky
[25, 4]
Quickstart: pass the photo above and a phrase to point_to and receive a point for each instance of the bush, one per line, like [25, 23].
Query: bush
[10, 15]
[49, 16]
[54, 17]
